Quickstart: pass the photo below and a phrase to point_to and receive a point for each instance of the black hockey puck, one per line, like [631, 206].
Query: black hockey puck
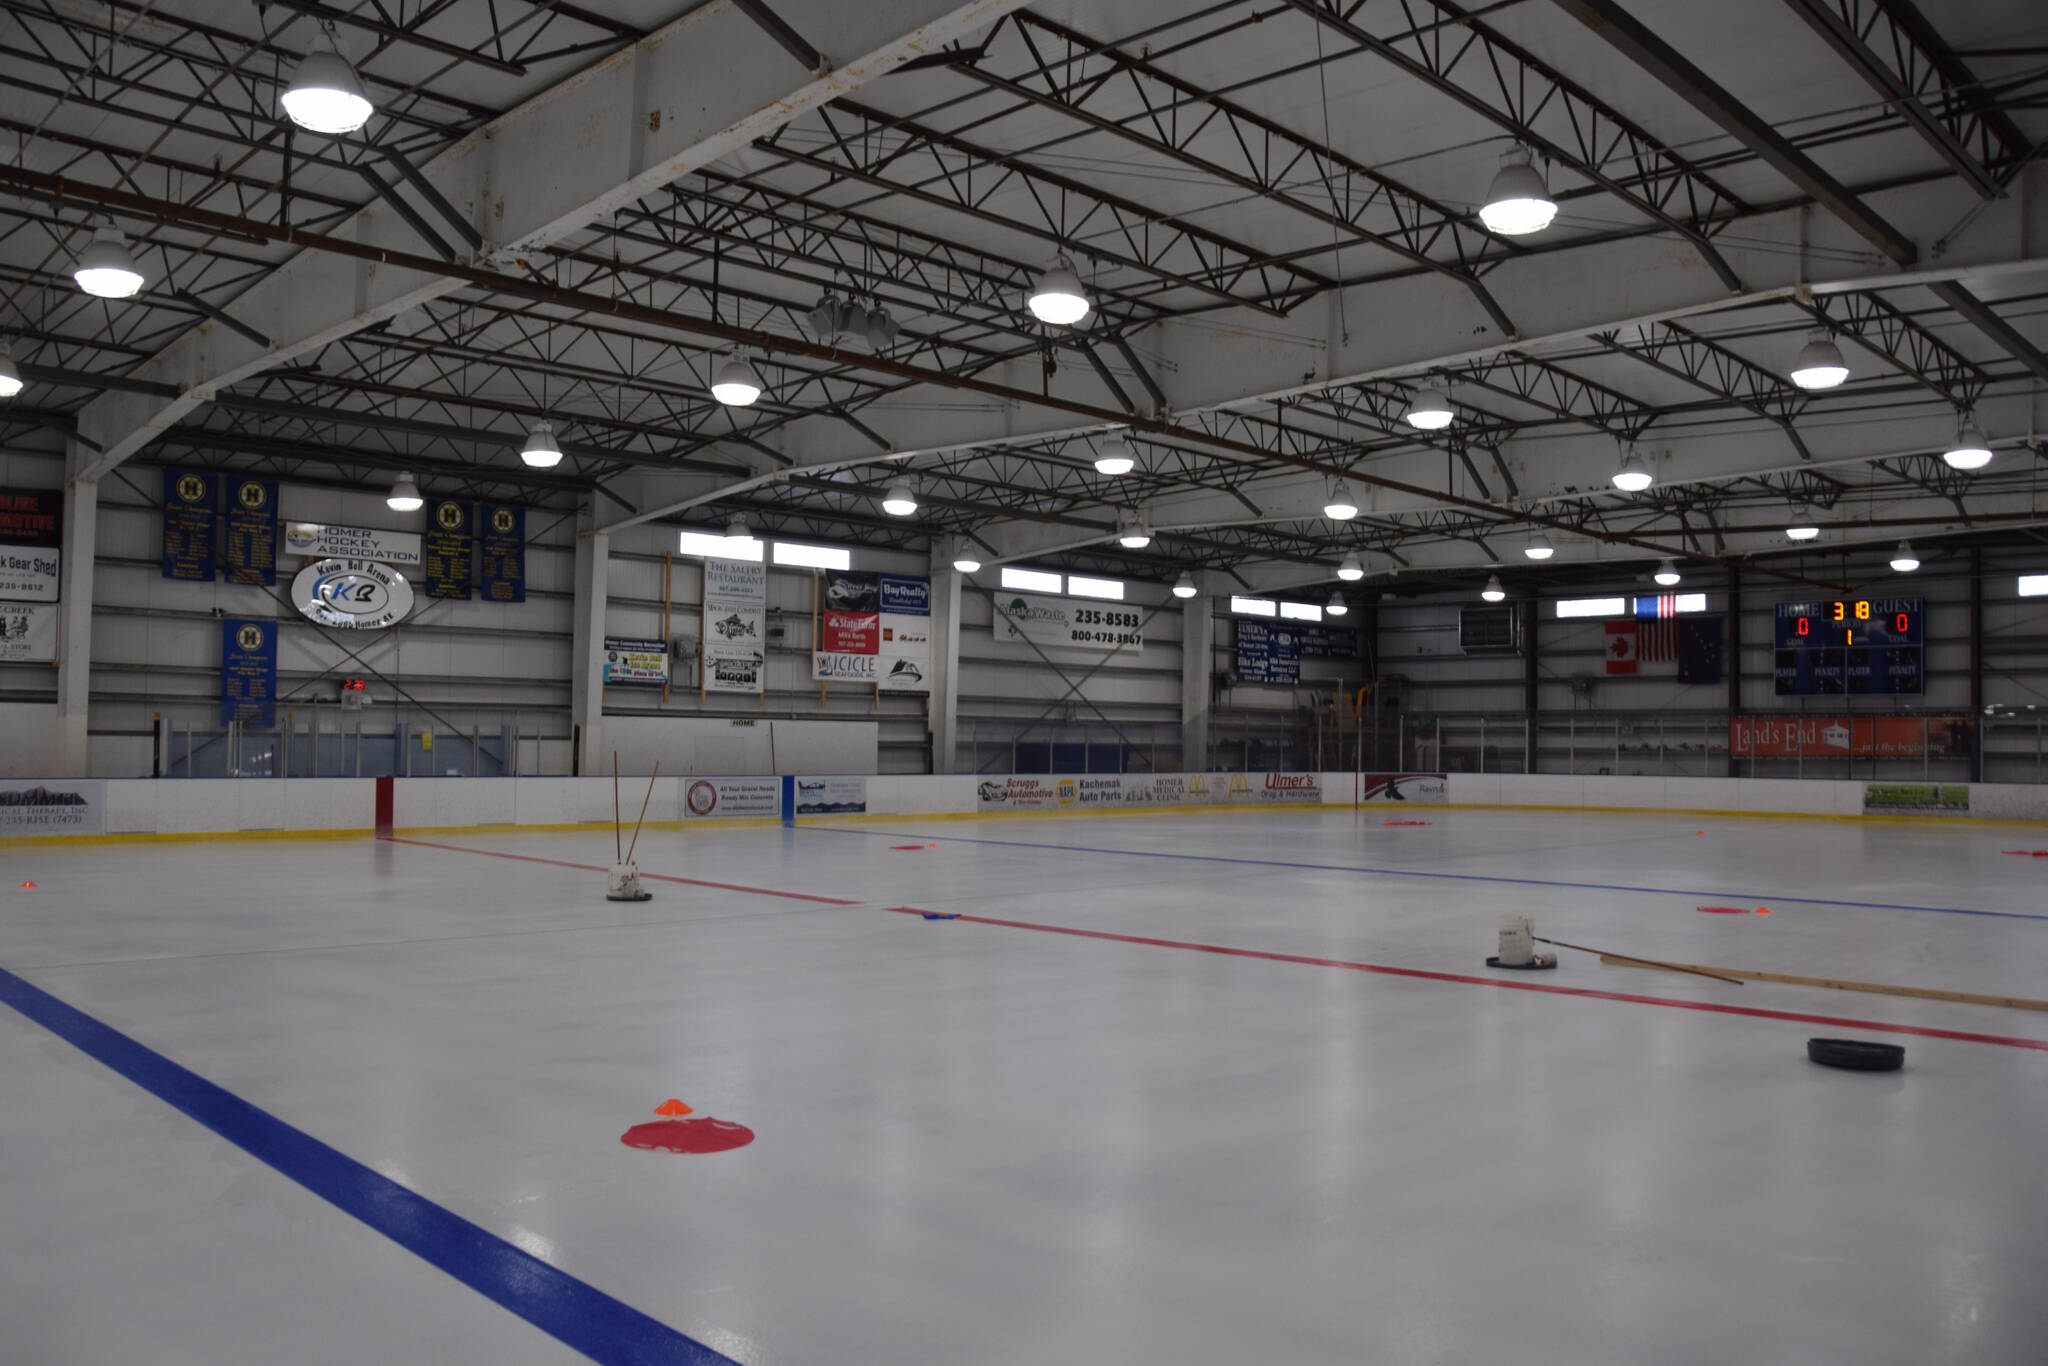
[1533, 965]
[1858, 1055]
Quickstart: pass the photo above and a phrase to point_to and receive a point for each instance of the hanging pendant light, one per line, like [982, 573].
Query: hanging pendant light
[324, 94]
[1518, 202]
[1493, 592]
[1802, 527]
[1336, 607]
[1115, 457]
[1059, 298]
[965, 561]
[1970, 451]
[105, 269]
[899, 501]
[1340, 506]
[1820, 364]
[737, 530]
[542, 451]
[10, 377]
[1667, 574]
[404, 495]
[1633, 476]
[1904, 560]
[1132, 533]
[1184, 586]
[1539, 547]
[1431, 411]
[735, 383]
[1350, 570]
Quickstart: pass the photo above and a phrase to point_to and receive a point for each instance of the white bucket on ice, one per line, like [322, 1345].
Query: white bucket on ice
[1517, 941]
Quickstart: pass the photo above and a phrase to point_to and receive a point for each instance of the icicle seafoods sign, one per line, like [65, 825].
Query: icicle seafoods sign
[876, 629]
[735, 644]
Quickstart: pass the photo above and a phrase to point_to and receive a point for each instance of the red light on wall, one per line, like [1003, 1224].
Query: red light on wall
[354, 685]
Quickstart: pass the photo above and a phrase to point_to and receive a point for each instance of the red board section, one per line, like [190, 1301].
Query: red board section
[1723, 910]
[384, 790]
[688, 1136]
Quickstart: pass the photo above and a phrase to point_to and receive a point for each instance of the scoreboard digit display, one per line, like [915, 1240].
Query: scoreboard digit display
[1849, 646]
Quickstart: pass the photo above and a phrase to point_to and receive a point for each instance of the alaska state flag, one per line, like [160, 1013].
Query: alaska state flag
[1699, 649]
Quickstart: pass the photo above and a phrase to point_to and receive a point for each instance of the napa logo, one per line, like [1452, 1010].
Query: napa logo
[1066, 792]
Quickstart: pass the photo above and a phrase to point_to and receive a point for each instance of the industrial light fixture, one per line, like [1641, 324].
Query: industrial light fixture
[1633, 476]
[1820, 364]
[737, 530]
[1340, 506]
[1493, 592]
[1431, 410]
[1132, 533]
[324, 95]
[1518, 202]
[1971, 451]
[1336, 606]
[829, 318]
[734, 383]
[965, 561]
[105, 269]
[1667, 574]
[542, 451]
[879, 328]
[1059, 298]
[10, 378]
[899, 501]
[1115, 457]
[1539, 547]
[1184, 586]
[1351, 570]
[1903, 559]
[1802, 527]
[404, 495]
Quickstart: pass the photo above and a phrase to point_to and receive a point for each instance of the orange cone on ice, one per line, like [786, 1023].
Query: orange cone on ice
[671, 1107]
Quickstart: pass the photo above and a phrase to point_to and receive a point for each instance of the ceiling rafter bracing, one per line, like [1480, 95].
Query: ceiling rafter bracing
[951, 173]
[1892, 335]
[1266, 157]
[1507, 84]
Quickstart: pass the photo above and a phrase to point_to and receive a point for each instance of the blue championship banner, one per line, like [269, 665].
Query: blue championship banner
[248, 673]
[190, 518]
[503, 570]
[249, 551]
[446, 550]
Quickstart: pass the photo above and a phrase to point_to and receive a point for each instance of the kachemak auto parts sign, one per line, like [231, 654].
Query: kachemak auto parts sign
[1085, 791]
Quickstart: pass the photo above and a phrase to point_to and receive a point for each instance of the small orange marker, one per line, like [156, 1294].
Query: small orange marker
[1763, 910]
[28, 884]
[671, 1107]
[931, 846]
[1699, 832]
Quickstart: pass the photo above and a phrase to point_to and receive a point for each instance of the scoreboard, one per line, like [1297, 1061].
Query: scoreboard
[1849, 645]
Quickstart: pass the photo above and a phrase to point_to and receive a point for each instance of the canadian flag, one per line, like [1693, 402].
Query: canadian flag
[1621, 647]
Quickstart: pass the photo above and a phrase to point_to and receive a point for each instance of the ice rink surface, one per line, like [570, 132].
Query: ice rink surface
[981, 1142]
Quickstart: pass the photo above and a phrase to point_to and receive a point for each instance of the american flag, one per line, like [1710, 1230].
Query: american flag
[1657, 628]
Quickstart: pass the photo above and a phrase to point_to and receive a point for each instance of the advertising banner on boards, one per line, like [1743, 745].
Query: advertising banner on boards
[642, 662]
[319, 541]
[28, 632]
[831, 796]
[731, 798]
[735, 605]
[53, 808]
[248, 673]
[1066, 623]
[191, 500]
[1916, 799]
[1846, 737]
[1083, 791]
